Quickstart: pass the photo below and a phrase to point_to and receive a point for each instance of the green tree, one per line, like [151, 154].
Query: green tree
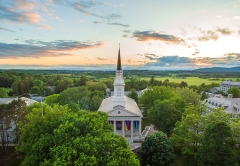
[100, 86]
[155, 93]
[63, 84]
[188, 131]
[151, 81]
[157, 150]
[82, 81]
[35, 90]
[78, 95]
[235, 91]
[17, 111]
[52, 99]
[204, 96]
[133, 94]
[217, 146]
[3, 93]
[189, 95]
[165, 113]
[63, 137]
[13, 112]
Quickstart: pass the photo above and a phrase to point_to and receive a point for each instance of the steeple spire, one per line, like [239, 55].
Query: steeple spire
[119, 66]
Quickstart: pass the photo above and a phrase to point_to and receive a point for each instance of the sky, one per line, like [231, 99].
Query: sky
[87, 33]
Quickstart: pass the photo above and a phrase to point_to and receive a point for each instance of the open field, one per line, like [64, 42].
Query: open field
[189, 80]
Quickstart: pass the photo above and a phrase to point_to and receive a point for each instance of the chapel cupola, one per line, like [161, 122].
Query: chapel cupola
[119, 98]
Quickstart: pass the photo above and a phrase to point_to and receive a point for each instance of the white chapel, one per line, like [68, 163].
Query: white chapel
[123, 112]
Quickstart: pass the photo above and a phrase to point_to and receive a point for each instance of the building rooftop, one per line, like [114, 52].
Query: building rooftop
[230, 105]
[131, 106]
[231, 83]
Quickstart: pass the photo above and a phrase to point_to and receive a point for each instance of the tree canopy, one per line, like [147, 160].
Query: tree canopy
[3, 93]
[133, 94]
[63, 137]
[165, 113]
[189, 131]
[157, 150]
[217, 146]
[235, 91]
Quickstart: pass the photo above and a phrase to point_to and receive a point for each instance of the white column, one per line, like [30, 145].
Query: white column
[132, 130]
[140, 129]
[123, 128]
[114, 125]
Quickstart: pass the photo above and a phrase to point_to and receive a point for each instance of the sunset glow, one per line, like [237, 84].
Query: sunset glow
[87, 32]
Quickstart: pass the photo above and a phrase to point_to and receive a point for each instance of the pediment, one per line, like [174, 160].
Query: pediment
[120, 111]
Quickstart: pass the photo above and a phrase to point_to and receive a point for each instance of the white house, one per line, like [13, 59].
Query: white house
[228, 84]
[230, 105]
[123, 112]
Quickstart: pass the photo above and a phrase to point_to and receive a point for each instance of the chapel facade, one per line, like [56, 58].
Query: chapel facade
[123, 112]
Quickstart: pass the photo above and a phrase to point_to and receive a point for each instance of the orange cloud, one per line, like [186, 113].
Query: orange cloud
[25, 4]
[154, 35]
[30, 17]
[45, 27]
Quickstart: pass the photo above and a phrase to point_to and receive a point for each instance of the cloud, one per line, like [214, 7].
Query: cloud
[208, 35]
[45, 27]
[238, 32]
[80, 6]
[150, 56]
[113, 16]
[170, 61]
[232, 54]
[224, 31]
[18, 16]
[37, 49]
[5, 29]
[87, 58]
[96, 22]
[127, 31]
[129, 60]
[124, 35]
[154, 35]
[102, 59]
[25, 4]
[118, 24]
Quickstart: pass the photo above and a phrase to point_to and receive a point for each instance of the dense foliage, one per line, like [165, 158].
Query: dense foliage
[217, 146]
[190, 132]
[157, 150]
[235, 91]
[63, 137]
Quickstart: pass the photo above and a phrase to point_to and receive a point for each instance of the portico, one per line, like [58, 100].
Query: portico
[127, 127]
[123, 112]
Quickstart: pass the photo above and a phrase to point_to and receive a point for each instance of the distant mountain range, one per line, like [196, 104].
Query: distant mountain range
[219, 69]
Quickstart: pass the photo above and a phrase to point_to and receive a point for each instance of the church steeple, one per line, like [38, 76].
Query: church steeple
[119, 66]
[118, 97]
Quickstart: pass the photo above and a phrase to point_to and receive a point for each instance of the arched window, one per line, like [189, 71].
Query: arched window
[118, 92]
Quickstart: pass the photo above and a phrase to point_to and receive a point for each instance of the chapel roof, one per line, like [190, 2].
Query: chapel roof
[131, 106]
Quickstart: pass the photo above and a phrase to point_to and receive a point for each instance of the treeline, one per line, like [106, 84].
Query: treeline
[46, 84]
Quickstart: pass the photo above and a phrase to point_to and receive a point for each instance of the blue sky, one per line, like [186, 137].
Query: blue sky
[157, 33]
